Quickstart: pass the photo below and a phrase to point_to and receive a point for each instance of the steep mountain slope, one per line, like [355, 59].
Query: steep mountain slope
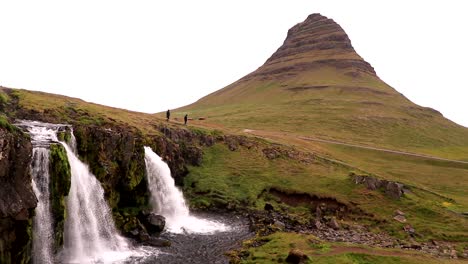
[315, 84]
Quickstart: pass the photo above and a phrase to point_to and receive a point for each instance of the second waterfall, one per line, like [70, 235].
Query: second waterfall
[90, 233]
[168, 200]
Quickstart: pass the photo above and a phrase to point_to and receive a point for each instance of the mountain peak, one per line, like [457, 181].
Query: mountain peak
[316, 42]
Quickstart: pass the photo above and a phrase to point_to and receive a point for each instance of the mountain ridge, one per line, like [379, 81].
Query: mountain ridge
[316, 84]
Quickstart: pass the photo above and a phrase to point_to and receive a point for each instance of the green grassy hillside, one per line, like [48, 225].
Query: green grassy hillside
[317, 85]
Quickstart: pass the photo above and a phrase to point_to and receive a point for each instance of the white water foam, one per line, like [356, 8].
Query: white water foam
[41, 136]
[90, 234]
[167, 200]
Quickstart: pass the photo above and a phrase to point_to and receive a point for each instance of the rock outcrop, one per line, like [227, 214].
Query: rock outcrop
[60, 183]
[115, 155]
[296, 256]
[316, 42]
[393, 189]
[17, 198]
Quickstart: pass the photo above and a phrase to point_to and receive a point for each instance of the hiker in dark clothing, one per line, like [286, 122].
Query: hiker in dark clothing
[168, 115]
[185, 119]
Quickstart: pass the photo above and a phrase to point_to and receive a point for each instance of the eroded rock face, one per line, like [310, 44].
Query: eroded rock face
[116, 156]
[316, 42]
[17, 199]
[393, 189]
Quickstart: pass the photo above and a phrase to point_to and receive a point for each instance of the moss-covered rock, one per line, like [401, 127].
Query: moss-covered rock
[64, 134]
[17, 199]
[116, 156]
[60, 181]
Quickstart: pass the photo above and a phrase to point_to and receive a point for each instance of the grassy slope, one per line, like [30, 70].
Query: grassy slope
[320, 252]
[240, 176]
[360, 110]
[63, 106]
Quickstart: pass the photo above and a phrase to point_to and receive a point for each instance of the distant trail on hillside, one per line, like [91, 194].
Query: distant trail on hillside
[266, 134]
[383, 150]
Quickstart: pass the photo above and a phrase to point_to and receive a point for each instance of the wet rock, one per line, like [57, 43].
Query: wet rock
[17, 199]
[151, 222]
[296, 256]
[155, 223]
[135, 232]
[143, 236]
[268, 207]
[158, 242]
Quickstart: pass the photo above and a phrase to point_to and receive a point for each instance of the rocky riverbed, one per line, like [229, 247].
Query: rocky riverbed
[201, 248]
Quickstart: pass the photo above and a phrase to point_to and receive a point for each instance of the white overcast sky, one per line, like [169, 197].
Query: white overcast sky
[153, 55]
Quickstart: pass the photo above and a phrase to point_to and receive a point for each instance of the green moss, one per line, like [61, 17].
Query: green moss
[3, 100]
[22, 244]
[64, 136]
[134, 175]
[60, 181]
[6, 124]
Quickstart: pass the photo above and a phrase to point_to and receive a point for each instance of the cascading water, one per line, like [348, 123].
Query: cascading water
[169, 201]
[90, 233]
[41, 137]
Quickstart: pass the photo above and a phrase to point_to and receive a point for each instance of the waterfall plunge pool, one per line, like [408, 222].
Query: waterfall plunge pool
[90, 235]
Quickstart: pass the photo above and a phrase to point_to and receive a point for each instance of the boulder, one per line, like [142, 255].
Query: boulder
[268, 207]
[279, 225]
[317, 224]
[158, 242]
[334, 223]
[400, 218]
[271, 153]
[394, 190]
[318, 211]
[296, 256]
[409, 229]
[156, 223]
[153, 223]
[398, 212]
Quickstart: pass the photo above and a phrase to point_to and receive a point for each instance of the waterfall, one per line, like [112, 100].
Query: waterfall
[42, 221]
[167, 200]
[90, 233]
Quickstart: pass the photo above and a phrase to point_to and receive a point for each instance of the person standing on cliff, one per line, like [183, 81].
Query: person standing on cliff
[168, 115]
[185, 119]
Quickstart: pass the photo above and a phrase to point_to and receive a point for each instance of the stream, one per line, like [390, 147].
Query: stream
[200, 248]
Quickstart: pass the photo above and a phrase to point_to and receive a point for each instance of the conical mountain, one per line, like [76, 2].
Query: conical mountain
[316, 85]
